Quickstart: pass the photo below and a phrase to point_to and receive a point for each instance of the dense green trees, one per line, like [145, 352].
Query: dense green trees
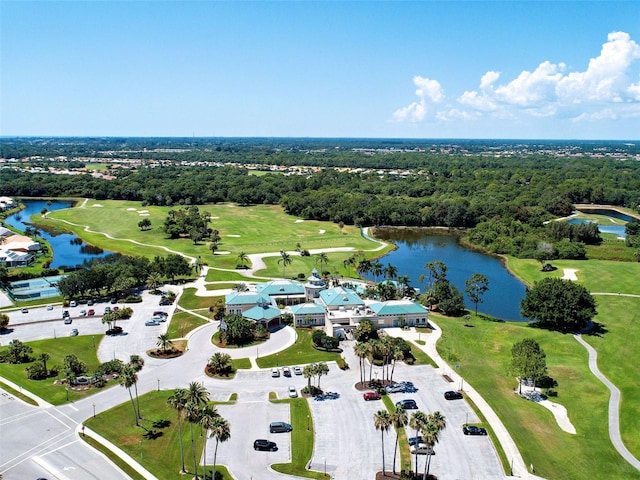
[557, 304]
[528, 361]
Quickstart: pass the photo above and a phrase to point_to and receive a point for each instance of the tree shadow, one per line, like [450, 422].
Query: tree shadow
[595, 329]
[152, 434]
[161, 423]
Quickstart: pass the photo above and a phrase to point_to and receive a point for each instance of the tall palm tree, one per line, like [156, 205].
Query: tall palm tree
[163, 342]
[177, 400]
[363, 267]
[403, 281]
[285, 260]
[417, 421]
[396, 355]
[192, 414]
[221, 430]
[309, 372]
[136, 362]
[208, 414]
[348, 263]
[322, 259]
[197, 397]
[154, 280]
[399, 419]
[390, 271]
[361, 351]
[128, 378]
[376, 269]
[436, 422]
[321, 369]
[382, 422]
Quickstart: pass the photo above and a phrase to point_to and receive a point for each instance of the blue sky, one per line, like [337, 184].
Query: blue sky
[402, 69]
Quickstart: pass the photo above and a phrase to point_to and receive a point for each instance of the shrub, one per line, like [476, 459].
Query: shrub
[132, 299]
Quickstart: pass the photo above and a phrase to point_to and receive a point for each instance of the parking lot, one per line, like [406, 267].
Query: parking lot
[346, 441]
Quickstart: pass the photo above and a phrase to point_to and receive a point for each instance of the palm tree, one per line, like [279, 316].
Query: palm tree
[382, 422]
[136, 362]
[221, 430]
[43, 357]
[128, 378]
[177, 400]
[430, 433]
[348, 263]
[321, 369]
[308, 372]
[376, 269]
[208, 414]
[163, 342]
[242, 258]
[390, 272]
[403, 281]
[219, 362]
[361, 350]
[197, 397]
[417, 421]
[192, 413]
[285, 260]
[399, 419]
[322, 259]
[396, 355]
[363, 267]
[154, 280]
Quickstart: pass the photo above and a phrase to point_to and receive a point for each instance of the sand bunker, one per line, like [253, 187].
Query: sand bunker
[96, 205]
[145, 214]
[299, 221]
[143, 211]
[131, 209]
[570, 274]
[234, 236]
[321, 232]
[214, 218]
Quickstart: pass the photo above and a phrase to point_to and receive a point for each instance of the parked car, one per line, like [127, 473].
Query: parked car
[116, 308]
[65, 314]
[297, 370]
[74, 332]
[371, 396]
[452, 395]
[151, 323]
[25, 310]
[83, 313]
[286, 371]
[49, 307]
[90, 302]
[114, 331]
[395, 388]
[165, 301]
[275, 372]
[279, 427]
[159, 318]
[73, 303]
[407, 404]
[160, 313]
[265, 445]
[293, 393]
[415, 440]
[91, 312]
[67, 320]
[473, 430]
[114, 300]
[421, 449]
[107, 309]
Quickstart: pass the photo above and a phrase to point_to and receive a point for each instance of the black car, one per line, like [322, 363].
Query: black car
[415, 440]
[407, 404]
[165, 301]
[265, 445]
[452, 395]
[473, 430]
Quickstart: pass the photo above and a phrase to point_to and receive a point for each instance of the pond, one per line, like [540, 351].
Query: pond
[416, 248]
[618, 230]
[68, 250]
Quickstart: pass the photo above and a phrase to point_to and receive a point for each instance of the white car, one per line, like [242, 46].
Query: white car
[421, 449]
[293, 393]
[297, 370]
[275, 372]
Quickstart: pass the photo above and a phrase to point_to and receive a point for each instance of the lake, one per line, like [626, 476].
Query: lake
[68, 250]
[618, 230]
[416, 248]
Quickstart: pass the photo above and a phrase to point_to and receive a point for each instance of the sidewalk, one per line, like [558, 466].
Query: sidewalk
[518, 467]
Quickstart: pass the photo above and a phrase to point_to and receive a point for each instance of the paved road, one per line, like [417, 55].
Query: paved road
[614, 405]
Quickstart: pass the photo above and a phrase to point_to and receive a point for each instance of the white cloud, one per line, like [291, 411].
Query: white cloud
[602, 91]
[429, 91]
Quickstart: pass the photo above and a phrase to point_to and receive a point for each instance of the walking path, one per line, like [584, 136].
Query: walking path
[614, 405]
[518, 467]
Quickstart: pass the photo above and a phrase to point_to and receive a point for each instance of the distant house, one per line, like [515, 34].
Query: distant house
[7, 203]
[236, 303]
[20, 243]
[267, 315]
[9, 258]
[308, 315]
[5, 232]
[399, 313]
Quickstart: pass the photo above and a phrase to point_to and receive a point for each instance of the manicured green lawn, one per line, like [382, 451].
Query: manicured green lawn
[483, 353]
[159, 452]
[182, 323]
[301, 352]
[83, 346]
[190, 301]
[255, 229]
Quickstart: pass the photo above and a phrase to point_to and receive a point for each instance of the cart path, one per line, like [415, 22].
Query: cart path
[614, 405]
